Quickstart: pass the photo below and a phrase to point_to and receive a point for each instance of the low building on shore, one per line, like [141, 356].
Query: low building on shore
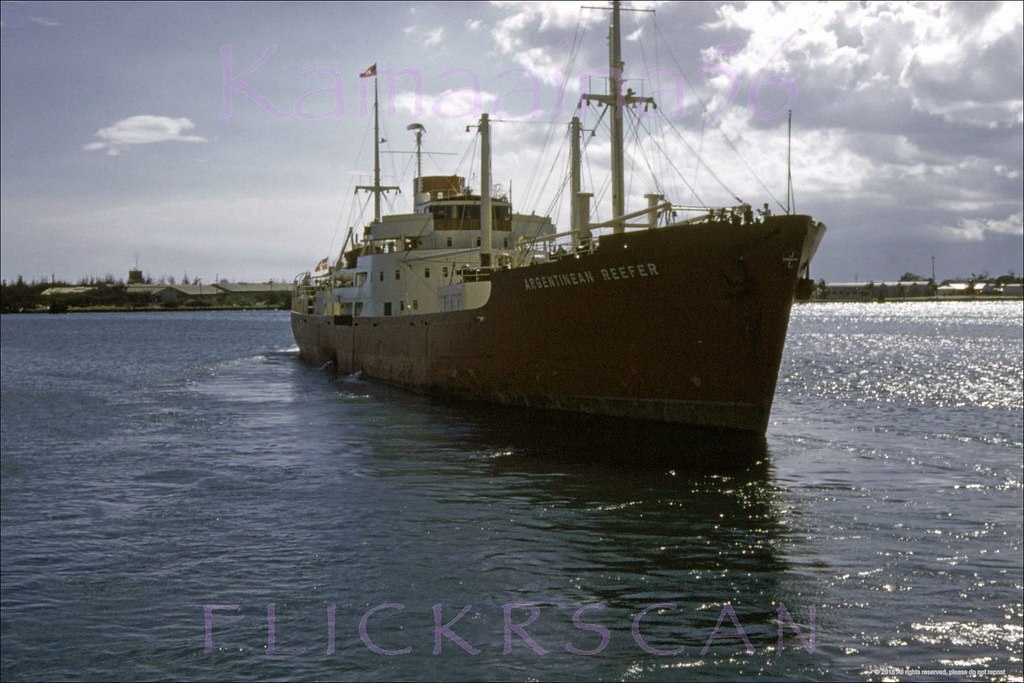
[979, 289]
[250, 288]
[65, 291]
[873, 291]
[174, 295]
[220, 294]
[914, 289]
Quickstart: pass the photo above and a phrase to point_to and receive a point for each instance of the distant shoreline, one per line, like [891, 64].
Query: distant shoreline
[194, 309]
[142, 309]
[914, 299]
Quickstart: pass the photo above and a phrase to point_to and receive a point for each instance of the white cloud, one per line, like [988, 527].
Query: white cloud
[547, 14]
[976, 229]
[473, 24]
[910, 111]
[956, 62]
[433, 37]
[44, 21]
[776, 32]
[142, 130]
[1011, 173]
[517, 35]
[426, 37]
[455, 104]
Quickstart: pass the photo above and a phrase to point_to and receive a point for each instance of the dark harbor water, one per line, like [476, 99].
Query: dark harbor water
[183, 499]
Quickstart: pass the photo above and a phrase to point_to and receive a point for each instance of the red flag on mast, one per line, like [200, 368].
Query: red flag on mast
[371, 71]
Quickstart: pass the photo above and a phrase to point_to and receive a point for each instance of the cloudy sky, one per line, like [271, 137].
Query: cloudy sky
[224, 140]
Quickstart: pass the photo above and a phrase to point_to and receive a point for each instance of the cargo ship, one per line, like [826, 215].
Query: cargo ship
[643, 316]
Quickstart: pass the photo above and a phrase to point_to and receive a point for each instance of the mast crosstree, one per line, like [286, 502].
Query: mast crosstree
[617, 101]
[376, 189]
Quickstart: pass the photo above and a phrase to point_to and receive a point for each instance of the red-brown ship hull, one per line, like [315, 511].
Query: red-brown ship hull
[682, 324]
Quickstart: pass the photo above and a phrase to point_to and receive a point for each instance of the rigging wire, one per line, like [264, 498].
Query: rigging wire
[701, 161]
[636, 135]
[718, 126]
[348, 202]
[555, 162]
[577, 40]
[657, 72]
[401, 181]
[358, 217]
[337, 227]
[472, 155]
[666, 165]
[632, 160]
[664, 160]
[700, 148]
[586, 172]
[698, 156]
[556, 200]
[660, 120]
[437, 164]
[607, 183]
[384, 140]
[585, 152]
[668, 159]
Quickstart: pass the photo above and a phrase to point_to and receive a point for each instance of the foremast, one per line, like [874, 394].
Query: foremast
[617, 101]
[486, 215]
[376, 189]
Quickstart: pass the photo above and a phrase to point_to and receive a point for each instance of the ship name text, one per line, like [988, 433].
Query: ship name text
[585, 277]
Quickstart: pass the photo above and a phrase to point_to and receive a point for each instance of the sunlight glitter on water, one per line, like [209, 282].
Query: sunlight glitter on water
[957, 356]
[210, 469]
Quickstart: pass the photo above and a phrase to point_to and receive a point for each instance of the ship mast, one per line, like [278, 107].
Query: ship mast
[485, 192]
[618, 101]
[377, 189]
[790, 199]
[615, 72]
[420, 130]
[579, 208]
